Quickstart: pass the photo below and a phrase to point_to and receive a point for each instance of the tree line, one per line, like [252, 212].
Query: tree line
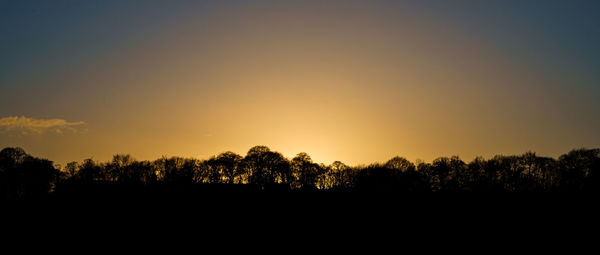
[264, 170]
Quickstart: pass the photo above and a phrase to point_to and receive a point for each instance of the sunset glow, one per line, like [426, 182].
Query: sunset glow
[355, 81]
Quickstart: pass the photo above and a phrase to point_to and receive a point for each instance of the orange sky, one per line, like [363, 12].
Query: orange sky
[354, 82]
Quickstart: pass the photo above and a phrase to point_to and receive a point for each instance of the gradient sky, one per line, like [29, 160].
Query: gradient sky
[356, 81]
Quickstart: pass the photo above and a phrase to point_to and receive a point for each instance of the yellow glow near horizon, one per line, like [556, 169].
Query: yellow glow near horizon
[356, 82]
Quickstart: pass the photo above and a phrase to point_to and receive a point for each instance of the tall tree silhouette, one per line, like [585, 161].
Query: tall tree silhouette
[338, 176]
[578, 168]
[266, 167]
[177, 170]
[400, 163]
[306, 171]
[228, 165]
[24, 176]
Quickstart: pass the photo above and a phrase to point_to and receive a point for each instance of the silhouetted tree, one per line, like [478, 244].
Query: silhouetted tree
[481, 177]
[177, 170]
[338, 176]
[24, 176]
[71, 170]
[89, 172]
[576, 167]
[226, 165]
[266, 167]
[306, 172]
[401, 164]
[377, 178]
[120, 170]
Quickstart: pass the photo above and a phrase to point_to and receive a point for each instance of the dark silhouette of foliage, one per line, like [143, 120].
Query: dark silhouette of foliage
[306, 172]
[261, 170]
[266, 167]
[178, 170]
[227, 165]
[338, 176]
[400, 163]
[23, 176]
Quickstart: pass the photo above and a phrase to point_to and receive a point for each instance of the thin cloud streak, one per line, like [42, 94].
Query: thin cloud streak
[26, 125]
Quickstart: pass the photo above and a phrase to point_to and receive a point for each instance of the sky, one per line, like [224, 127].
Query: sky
[355, 81]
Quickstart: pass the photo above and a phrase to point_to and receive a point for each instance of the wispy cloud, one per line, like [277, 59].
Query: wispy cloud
[26, 125]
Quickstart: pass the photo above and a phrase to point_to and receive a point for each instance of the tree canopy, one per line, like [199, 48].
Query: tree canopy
[261, 169]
